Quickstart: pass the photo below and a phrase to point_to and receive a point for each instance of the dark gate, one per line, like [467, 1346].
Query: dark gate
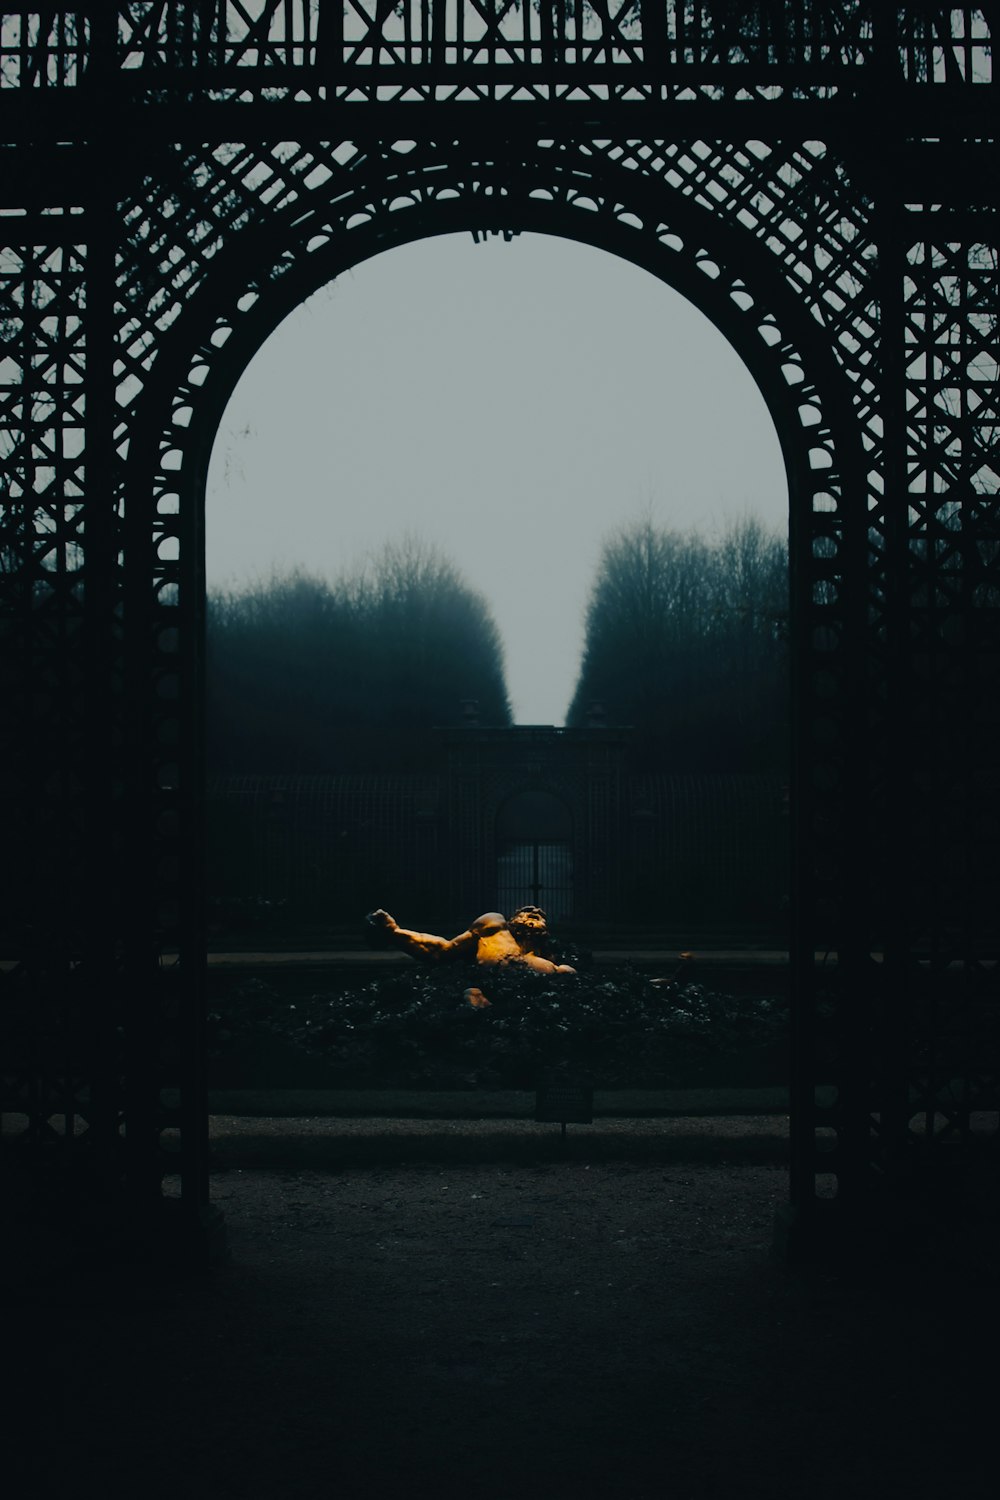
[536, 875]
[535, 854]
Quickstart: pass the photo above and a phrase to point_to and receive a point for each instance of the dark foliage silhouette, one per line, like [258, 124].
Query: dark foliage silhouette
[414, 1029]
[685, 641]
[303, 674]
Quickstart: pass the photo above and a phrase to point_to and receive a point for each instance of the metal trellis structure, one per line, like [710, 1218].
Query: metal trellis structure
[819, 176]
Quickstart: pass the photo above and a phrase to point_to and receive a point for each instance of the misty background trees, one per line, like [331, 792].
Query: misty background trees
[309, 675]
[686, 642]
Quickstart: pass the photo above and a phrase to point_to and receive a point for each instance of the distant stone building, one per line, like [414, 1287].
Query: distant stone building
[557, 817]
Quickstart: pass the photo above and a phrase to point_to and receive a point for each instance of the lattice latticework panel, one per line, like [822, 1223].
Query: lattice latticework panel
[248, 151]
[949, 617]
[422, 51]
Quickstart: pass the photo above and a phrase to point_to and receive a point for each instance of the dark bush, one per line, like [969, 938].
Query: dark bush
[308, 675]
[415, 1029]
[686, 642]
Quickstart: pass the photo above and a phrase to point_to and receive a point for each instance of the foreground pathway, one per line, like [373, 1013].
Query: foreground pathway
[466, 1311]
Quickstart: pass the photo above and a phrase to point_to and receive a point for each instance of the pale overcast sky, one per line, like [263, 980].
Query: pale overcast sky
[510, 403]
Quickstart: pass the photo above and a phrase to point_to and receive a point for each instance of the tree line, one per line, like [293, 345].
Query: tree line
[685, 643]
[304, 674]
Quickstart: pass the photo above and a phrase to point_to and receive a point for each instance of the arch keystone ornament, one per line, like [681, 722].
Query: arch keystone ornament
[819, 177]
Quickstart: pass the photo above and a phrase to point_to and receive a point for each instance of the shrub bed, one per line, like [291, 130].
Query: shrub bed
[414, 1028]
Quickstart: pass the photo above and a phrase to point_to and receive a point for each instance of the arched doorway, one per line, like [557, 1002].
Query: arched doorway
[393, 195]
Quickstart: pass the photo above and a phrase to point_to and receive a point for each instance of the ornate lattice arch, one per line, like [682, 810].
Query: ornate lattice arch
[739, 151]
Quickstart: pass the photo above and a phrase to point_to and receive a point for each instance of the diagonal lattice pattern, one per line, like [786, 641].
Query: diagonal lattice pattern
[47, 670]
[435, 51]
[42, 549]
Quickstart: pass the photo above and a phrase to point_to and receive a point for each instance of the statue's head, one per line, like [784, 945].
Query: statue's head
[528, 922]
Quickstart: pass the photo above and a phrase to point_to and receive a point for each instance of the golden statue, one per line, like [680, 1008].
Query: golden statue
[492, 939]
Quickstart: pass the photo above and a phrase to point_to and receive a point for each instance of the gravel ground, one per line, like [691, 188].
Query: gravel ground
[473, 1309]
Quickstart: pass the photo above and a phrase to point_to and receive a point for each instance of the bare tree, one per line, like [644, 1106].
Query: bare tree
[685, 642]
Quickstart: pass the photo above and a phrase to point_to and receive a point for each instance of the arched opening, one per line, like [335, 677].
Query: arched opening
[735, 284]
[516, 436]
[511, 403]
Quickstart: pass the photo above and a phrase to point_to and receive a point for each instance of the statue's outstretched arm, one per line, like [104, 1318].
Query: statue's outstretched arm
[424, 944]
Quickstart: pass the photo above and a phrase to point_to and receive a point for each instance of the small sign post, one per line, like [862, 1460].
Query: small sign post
[563, 1104]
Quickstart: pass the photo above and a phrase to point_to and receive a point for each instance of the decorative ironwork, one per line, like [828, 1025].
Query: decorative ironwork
[509, 50]
[817, 175]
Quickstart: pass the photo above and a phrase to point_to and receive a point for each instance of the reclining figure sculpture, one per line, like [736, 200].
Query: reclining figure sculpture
[492, 939]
